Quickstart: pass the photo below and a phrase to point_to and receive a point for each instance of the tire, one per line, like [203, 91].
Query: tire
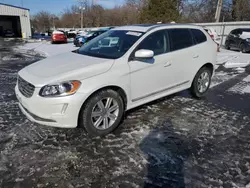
[195, 88]
[87, 120]
[242, 48]
[227, 46]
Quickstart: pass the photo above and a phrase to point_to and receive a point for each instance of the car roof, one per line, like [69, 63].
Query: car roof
[149, 27]
[245, 29]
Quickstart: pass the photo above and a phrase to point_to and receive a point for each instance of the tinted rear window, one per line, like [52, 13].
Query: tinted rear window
[180, 38]
[199, 36]
[245, 30]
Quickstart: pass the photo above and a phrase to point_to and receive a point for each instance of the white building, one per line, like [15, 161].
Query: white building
[14, 20]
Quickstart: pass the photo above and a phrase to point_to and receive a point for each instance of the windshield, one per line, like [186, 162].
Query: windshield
[90, 32]
[112, 44]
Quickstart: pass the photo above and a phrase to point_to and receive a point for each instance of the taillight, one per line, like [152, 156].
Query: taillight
[212, 36]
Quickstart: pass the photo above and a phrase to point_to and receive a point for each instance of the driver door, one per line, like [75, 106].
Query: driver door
[233, 38]
[152, 76]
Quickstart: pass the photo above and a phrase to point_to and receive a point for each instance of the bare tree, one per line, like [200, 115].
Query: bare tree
[42, 21]
[240, 10]
[71, 17]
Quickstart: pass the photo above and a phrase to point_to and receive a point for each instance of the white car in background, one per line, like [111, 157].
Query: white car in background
[81, 33]
[93, 86]
[213, 34]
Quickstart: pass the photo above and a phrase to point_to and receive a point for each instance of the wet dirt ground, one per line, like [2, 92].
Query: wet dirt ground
[177, 141]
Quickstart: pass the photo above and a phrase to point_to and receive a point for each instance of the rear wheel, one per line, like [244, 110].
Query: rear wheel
[102, 113]
[201, 82]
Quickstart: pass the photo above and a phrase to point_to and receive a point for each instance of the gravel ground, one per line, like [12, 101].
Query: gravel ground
[177, 141]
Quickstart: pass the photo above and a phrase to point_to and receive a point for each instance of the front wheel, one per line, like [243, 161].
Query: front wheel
[201, 82]
[243, 48]
[102, 113]
[227, 46]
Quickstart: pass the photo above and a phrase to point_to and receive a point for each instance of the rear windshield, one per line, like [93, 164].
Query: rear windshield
[245, 30]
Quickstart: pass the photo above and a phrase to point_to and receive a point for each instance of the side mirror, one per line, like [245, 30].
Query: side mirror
[144, 54]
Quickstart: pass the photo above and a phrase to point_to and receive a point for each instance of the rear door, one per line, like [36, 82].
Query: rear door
[183, 54]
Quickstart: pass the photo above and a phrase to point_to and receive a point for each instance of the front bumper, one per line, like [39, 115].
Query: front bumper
[57, 112]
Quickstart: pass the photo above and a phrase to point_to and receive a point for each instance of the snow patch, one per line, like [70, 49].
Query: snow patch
[48, 48]
[246, 89]
[221, 77]
[247, 79]
[236, 64]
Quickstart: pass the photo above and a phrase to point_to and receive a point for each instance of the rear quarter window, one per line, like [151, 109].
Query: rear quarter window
[199, 36]
[180, 39]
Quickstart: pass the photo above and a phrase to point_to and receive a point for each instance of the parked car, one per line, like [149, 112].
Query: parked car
[80, 40]
[238, 39]
[81, 33]
[213, 34]
[71, 33]
[58, 36]
[9, 33]
[93, 86]
[39, 36]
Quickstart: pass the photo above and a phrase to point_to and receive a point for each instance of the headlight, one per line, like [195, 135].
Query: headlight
[248, 40]
[60, 89]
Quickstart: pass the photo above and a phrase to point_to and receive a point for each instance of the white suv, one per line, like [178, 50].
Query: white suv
[93, 86]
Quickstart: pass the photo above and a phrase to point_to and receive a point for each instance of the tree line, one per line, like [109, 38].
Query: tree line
[142, 11]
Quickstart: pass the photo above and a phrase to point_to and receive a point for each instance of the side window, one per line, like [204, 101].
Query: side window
[234, 32]
[157, 42]
[180, 38]
[199, 36]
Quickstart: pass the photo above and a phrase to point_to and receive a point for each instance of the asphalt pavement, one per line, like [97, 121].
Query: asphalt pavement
[174, 142]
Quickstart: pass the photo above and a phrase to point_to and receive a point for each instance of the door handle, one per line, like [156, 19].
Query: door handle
[168, 64]
[196, 56]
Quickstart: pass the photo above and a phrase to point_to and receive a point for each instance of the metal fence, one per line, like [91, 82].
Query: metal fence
[222, 28]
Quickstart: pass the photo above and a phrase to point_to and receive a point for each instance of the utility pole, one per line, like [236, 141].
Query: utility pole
[82, 9]
[82, 6]
[218, 10]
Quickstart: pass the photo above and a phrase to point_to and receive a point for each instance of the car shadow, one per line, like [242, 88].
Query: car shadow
[166, 152]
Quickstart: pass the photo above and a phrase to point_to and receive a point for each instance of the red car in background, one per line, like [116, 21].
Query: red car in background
[58, 36]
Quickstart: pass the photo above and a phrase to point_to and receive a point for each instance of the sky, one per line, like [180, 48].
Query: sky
[56, 6]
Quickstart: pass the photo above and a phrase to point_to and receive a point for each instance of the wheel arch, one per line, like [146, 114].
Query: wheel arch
[118, 89]
[209, 65]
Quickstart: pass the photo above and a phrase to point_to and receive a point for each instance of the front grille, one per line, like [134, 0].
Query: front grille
[26, 88]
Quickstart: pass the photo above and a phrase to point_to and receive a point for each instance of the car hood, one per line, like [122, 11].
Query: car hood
[68, 66]
[245, 35]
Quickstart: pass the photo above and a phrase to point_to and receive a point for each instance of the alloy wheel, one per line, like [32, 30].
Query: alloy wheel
[105, 113]
[203, 82]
